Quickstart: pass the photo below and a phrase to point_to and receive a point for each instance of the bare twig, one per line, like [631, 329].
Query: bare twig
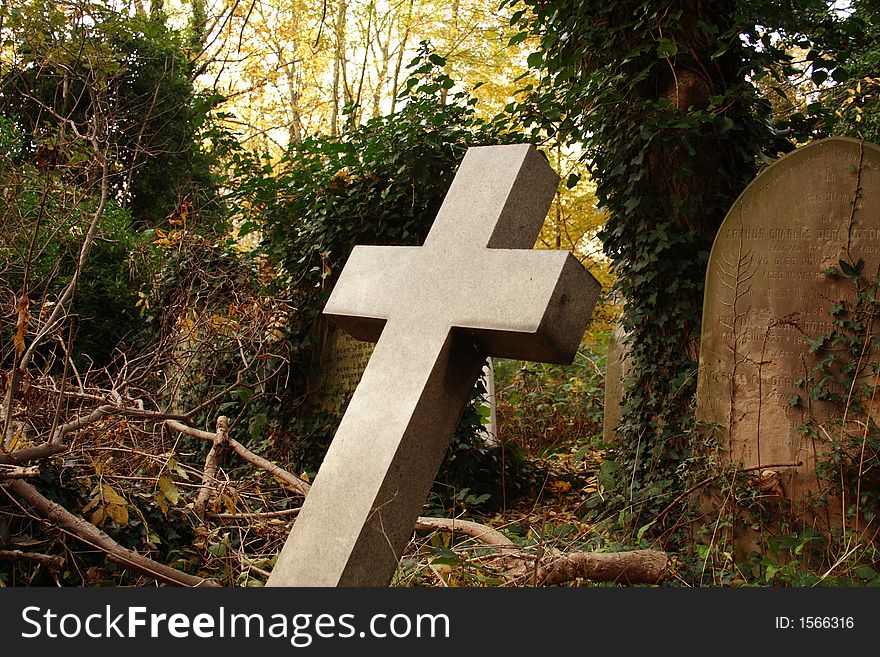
[295, 483]
[282, 513]
[53, 562]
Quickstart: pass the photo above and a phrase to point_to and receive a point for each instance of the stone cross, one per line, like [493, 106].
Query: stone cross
[475, 289]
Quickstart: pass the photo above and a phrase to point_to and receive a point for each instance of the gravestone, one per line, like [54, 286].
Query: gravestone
[475, 289]
[616, 367]
[490, 422]
[338, 370]
[766, 294]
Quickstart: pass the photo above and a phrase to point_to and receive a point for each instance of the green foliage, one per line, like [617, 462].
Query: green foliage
[664, 101]
[542, 406]
[844, 373]
[857, 100]
[41, 239]
[132, 75]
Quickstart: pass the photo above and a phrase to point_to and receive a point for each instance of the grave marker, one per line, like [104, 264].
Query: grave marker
[340, 364]
[616, 367]
[766, 293]
[475, 289]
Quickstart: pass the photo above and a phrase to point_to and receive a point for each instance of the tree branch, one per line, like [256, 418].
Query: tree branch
[18, 472]
[209, 478]
[90, 534]
[297, 484]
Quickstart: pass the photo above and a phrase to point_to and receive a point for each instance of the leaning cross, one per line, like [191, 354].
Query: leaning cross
[475, 289]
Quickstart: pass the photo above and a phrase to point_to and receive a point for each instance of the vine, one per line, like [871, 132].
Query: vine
[665, 100]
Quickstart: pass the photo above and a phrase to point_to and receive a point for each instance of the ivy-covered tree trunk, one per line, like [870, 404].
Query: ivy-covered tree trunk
[658, 93]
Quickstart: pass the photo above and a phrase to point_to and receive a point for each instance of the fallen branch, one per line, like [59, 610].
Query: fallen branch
[283, 513]
[475, 530]
[636, 567]
[21, 456]
[56, 444]
[18, 472]
[48, 560]
[90, 534]
[633, 567]
[555, 566]
[297, 484]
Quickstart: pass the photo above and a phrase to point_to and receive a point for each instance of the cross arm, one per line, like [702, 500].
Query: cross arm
[362, 298]
[541, 317]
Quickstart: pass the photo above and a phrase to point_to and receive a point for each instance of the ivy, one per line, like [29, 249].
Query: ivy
[669, 103]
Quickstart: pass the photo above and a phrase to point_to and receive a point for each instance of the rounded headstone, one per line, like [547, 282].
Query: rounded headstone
[767, 293]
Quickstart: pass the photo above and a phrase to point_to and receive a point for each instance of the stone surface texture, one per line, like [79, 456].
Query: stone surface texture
[766, 293]
[616, 366]
[340, 364]
[474, 289]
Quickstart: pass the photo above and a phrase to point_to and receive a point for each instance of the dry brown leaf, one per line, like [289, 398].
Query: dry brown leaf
[24, 317]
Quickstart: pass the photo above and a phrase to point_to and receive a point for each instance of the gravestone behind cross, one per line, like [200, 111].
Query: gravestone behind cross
[473, 290]
[340, 364]
[616, 367]
[766, 294]
[490, 420]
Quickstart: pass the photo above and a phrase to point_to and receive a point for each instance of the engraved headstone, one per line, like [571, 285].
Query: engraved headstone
[338, 370]
[475, 289]
[616, 366]
[766, 294]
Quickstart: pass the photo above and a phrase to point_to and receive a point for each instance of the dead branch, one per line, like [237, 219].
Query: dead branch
[17, 471]
[633, 567]
[482, 533]
[27, 454]
[555, 566]
[48, 560]
[90, 534]
[297, 484]
[281, 513]
[636, 567]
[209, 478]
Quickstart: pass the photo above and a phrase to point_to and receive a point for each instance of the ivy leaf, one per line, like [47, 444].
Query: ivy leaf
[518, 38]
[118, 514]
[535, 60]
[111, 496]
[840, 74]
[851, 271]
[666, 48]
[819, 77]
[572, 180]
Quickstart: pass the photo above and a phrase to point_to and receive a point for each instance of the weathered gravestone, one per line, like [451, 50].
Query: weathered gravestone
[340, 364]
[766, 294]
[474, 289]
[489, 404]
[616, 367]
